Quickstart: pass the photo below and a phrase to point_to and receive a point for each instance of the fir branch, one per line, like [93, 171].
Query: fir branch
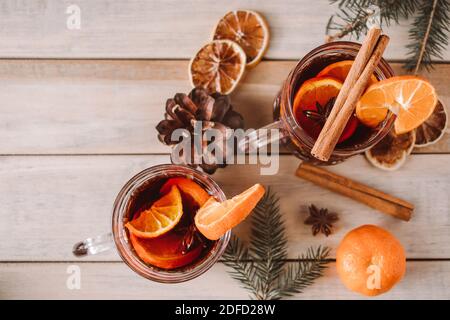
[390, 10]
[262, 268]
[350, 21]
[236, 256]
[429, 34]
[268, 242]
[308, 268]
[352, 15]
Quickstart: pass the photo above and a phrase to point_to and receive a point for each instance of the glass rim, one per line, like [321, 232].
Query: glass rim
[121, 239]
[383, 71]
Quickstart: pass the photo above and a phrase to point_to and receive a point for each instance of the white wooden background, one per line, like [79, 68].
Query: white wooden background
[77, 116]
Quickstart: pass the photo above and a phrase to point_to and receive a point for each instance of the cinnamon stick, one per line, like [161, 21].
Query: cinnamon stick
[373, 198]
[334, 126]
[364, 54]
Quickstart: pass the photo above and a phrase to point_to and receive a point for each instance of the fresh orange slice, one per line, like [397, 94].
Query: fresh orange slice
[218, 66]
[411, 98]
[165, 251]
[214, 219]
[248, 29]
[163, 215]
[316, 90]
[340, 70]
[187, 187]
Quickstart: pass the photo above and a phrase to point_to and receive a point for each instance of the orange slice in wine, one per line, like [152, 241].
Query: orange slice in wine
[316, 90]
[411, 98]
[187, 187]
[340, 70]
[163, 215]
[214, 219]
[165, 251]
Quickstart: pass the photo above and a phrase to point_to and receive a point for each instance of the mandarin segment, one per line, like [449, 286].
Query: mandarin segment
[371, 109]
[214, 219]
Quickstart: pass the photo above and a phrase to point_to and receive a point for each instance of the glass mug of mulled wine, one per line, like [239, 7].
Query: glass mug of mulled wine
[178, 255]
[300, 125]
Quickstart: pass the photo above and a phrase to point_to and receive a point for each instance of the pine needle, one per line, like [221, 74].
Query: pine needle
[304, 272]
[262, 268]
[429, 34]
[236, 257]
[352, 15]
[268, 242]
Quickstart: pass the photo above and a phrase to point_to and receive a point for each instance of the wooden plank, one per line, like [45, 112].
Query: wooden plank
[423, 280]
[50, 202]
[110, 107]
[161, 28]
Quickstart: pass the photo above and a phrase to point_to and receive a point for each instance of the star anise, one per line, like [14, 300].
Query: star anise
[191, 237]
[321, 220]
[321, 114]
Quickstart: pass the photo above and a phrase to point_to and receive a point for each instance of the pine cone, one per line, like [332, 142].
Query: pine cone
[184, 111]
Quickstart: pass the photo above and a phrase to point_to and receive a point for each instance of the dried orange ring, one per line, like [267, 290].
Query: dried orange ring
[218, 66]
[248, 29]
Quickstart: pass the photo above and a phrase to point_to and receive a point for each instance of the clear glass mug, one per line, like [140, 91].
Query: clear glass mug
[291, 133]
[118, 237]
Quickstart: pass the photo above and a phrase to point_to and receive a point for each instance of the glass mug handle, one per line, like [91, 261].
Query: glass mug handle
[94, 245]
[262, 137]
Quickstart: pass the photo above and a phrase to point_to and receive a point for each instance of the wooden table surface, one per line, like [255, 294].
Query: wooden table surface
[77, 115]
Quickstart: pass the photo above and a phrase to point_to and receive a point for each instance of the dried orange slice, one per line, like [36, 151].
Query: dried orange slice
[163, 215]
[188, 187]
[316, 90]
[218, 66]
[214, 219]
[248, 29]
[411, 98]
[340, 70]
[432, 130]
[392, 151]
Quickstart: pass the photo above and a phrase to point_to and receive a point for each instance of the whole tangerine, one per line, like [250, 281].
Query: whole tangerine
[370, 260]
